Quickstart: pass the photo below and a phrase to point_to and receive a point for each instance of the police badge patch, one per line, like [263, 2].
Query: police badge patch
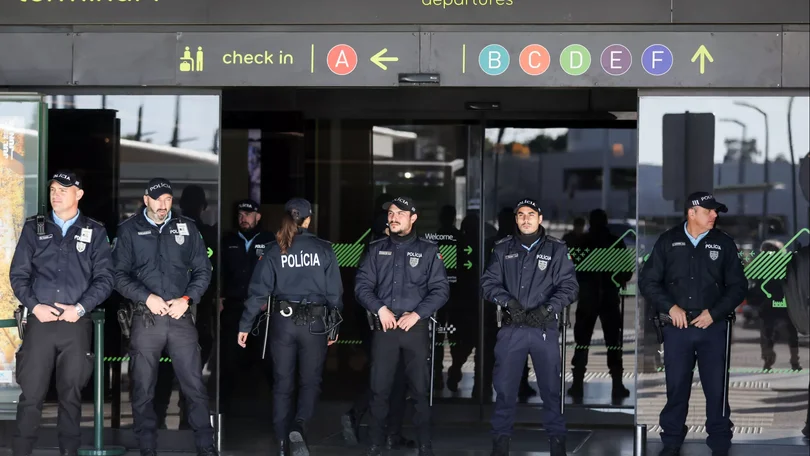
[714, 255]
[542, 264]
[180, 239]
[414, 262]
[80, 246]
[259, 250]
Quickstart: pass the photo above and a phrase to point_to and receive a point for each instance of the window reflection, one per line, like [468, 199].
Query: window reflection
[572, 172]
[118, 143]
[753, 164]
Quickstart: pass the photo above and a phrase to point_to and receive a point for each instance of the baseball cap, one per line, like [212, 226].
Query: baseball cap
[705, 200]
[530, 203]
[402, 202]
[158, 187]
[247, 205]
[299, 208]
[66, 179]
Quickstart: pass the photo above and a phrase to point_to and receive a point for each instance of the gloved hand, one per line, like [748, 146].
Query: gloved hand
[540, 316]
[516, 312]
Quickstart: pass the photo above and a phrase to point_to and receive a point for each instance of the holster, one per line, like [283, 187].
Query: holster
[125, 319]
[333, 321]
[373, 321]
[21, 315]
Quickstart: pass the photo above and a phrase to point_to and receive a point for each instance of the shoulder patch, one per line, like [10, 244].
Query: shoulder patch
[504, 240]
[128, 219]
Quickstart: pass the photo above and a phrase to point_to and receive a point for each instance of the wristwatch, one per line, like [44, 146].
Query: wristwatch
[80, 310]
[188, 300]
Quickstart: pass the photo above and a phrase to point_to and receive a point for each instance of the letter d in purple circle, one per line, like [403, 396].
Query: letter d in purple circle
[616, 60]
[657, 60]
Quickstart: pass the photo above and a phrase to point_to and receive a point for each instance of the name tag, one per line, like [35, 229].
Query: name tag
[679, 244]
[385, 252]
[183, 229]
[509, 257]
[87, 235]
[144, 233]
[46, 237]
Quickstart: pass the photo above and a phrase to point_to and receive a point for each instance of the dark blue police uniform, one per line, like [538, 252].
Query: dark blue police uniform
[169, 261]
[710, 276]
[537, 276]
[240, 254]
[49, 267]
[405, 274]
[305, 283]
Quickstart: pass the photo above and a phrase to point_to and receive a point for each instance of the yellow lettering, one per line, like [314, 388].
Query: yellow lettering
[445, 4]
[265, 58]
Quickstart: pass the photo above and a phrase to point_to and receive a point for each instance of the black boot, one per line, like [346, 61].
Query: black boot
[425, 449]
[577, 389]
[282, 448]
[670, 451]
[298, 444]
[207, 451]
[619, 391]
[500, 446]
[397, 441]
[373, 450]
[350, 429]
[557, 445]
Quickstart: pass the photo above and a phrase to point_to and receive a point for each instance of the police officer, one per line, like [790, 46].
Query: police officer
[61, 270]
[162, 266]
[695, 277]
[402, 280]
[301, 272]
[241, 251]
[532, 276]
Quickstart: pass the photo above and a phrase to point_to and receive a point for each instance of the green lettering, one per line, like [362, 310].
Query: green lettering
[424, 2]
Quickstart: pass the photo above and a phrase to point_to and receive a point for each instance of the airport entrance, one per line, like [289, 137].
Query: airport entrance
[465, 155]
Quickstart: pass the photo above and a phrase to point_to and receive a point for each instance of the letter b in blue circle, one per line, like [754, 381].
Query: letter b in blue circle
[493, 59]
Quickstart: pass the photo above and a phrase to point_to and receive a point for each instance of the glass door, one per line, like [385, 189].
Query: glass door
[22, 116]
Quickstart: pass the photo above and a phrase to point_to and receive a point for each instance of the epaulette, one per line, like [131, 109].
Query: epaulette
[33, 218]
[557, 240]
[128, 219]
[506, 239]
[429, 241]
[376, 241]
[94, 221]
[186, 218]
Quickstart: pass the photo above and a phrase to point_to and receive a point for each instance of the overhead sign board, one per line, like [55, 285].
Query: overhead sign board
[795, 58]
[607, 59]
[295, 59]
[30, 59]
[124, 59]
[322, 12]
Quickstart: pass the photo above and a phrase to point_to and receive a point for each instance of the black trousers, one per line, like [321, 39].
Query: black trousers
[413, 347]
[608, 310]
[293, 344]
[179, 338]
[66, 346]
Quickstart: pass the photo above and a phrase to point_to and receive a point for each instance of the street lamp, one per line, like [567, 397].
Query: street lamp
[741, 166]
[766, 168]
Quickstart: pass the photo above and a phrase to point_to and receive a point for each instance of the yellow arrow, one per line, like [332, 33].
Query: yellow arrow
[378, 59]
[703, 53]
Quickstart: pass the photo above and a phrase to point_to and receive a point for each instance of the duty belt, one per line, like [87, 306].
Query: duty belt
[662, 319]
[305, 313]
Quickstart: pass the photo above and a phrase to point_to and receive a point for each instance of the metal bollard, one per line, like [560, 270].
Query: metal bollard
[98, 395]
[640, 440]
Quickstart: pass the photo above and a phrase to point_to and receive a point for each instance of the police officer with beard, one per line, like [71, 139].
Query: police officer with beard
[61, 270]
[240, 253]
[694, 278]
[402, 280]
[532, 277]
[162, 266]
[301, 272]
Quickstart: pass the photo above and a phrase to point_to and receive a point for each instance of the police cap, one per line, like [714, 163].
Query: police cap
[299, 208]
[66, 179]
[530, 203]
[247, 205]
[158, 187]
[404, 203]
[705, 200]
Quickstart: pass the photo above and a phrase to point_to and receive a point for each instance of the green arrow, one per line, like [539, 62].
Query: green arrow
[468, 264]
[703, 54]
[210, 252]
[378, 59]
[468, 250]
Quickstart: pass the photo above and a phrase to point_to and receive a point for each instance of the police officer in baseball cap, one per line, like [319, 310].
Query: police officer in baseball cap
[531, 276]
[61, 270]
[162, 267]
[301, 273]
[693, 280]
[241, 250]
